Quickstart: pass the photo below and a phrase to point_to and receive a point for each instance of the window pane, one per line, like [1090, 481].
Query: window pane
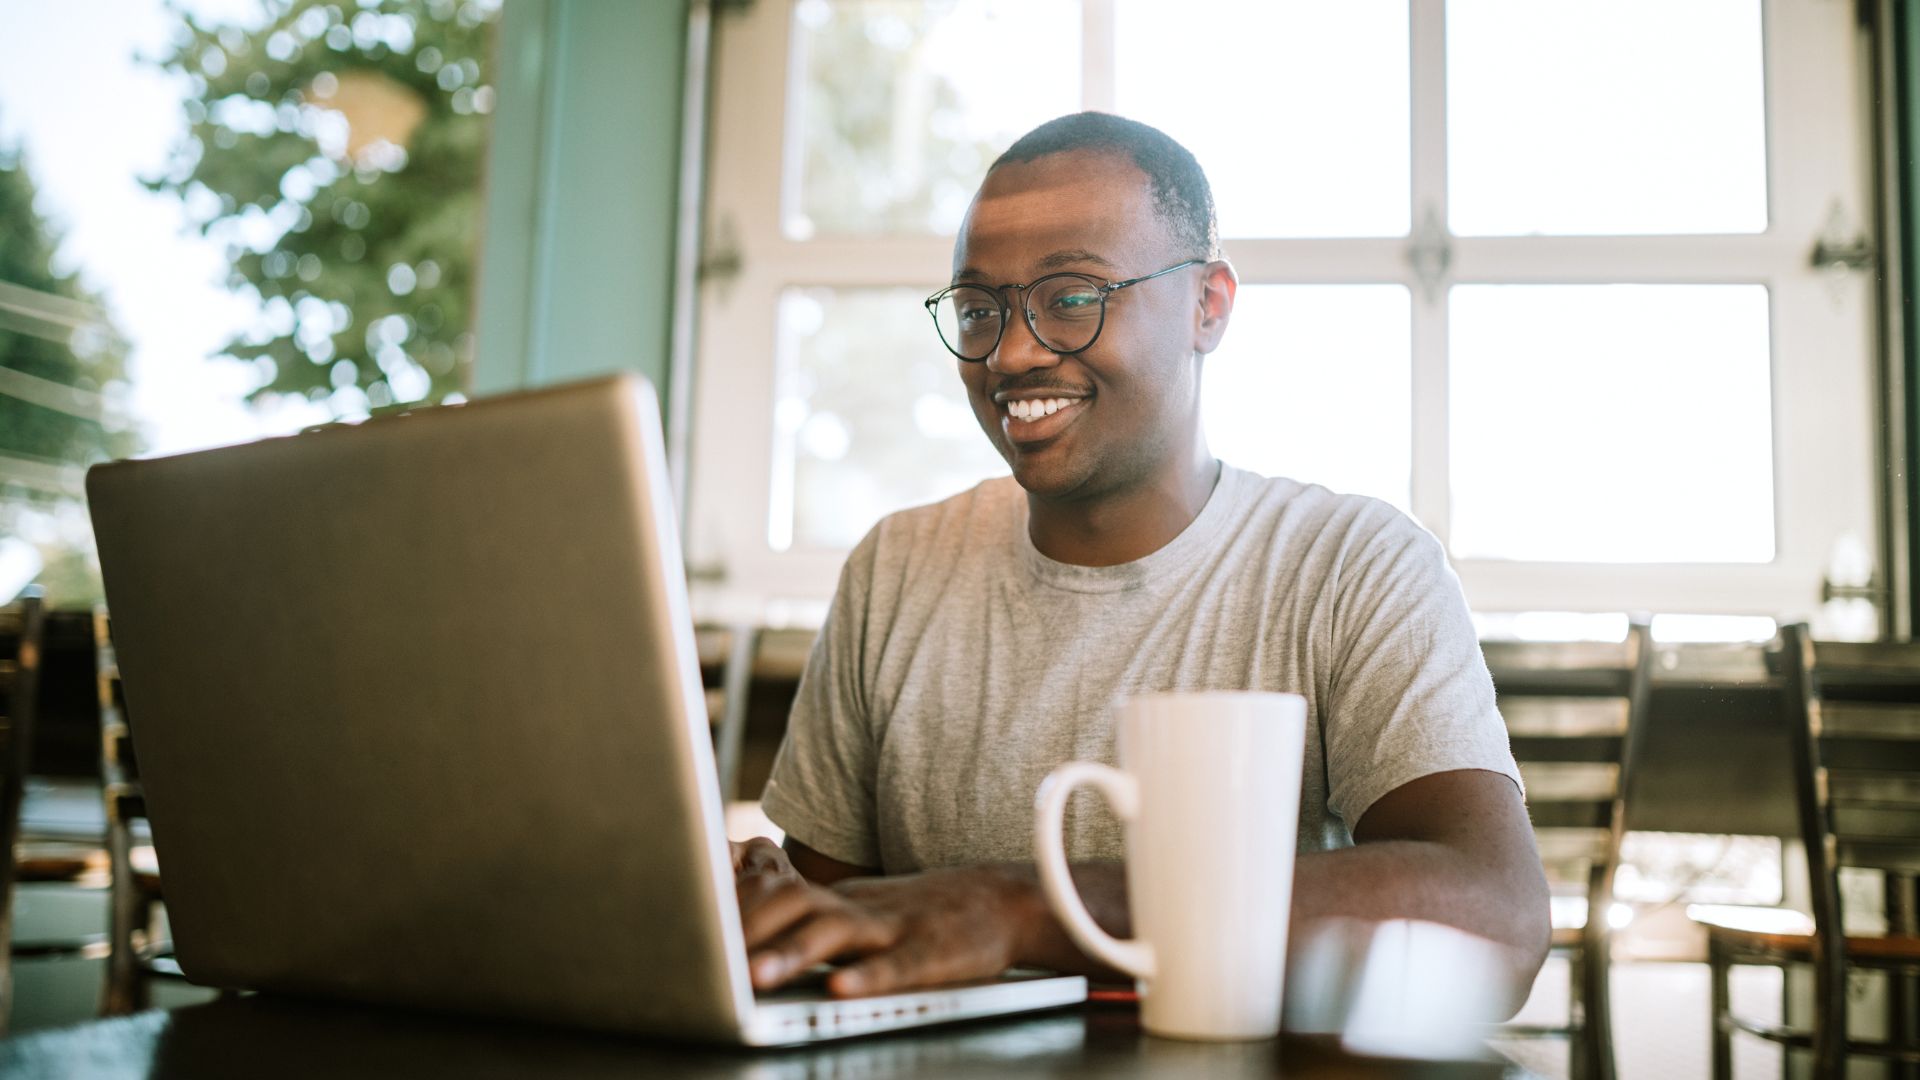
[1313, 382]
[1299, 113]
[869, 416]
[1629, 117]
[903, 104]
[1611, 423]
[264, 228]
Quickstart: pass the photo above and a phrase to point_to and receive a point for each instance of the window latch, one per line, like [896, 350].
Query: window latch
[1841, 247]
[1430, 254]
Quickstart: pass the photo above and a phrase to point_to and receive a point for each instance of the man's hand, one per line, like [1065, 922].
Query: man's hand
[759, 858]
[918, 930]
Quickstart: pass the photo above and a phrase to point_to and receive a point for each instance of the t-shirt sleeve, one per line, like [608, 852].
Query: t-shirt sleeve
[822, 787]
[1409, 694]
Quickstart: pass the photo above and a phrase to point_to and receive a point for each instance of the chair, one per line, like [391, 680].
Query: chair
[751, 676]
[726, 670]
[38, 740]
[1576, 716]
[20, 632]
[1853, 715]
[136, 952]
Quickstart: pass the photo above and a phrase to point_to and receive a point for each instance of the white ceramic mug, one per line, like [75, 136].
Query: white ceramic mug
[1209, 790]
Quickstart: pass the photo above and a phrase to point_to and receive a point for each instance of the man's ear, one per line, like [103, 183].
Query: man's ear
[1218, 283]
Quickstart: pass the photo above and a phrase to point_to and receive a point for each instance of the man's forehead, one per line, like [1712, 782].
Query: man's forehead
[1029, 213]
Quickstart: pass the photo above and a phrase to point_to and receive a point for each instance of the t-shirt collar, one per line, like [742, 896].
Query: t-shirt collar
[1196, 537]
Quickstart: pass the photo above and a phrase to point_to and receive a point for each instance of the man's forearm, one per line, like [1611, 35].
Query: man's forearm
[1043, 941]
[1415, 879]
[1395, 879]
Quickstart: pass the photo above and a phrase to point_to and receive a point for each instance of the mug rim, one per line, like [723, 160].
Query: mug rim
[1156, 696]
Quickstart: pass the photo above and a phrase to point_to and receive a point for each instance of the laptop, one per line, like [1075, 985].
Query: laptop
[420, 722]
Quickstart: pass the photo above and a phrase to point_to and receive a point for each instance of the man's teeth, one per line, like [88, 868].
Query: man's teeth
[1035, 409]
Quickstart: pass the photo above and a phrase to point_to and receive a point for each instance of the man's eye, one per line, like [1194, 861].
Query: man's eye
[975, 314]
[1076, 302]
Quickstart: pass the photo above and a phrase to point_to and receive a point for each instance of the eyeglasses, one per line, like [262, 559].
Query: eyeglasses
[1065, 312]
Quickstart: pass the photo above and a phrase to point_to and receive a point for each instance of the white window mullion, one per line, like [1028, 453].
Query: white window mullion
[1320, 262]
[1427, 49]
[1645, 259]
[1427, 53]
[919, 262]
[1098, 79]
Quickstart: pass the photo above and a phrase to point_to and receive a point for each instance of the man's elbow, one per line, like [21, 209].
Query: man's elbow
[1530, 935]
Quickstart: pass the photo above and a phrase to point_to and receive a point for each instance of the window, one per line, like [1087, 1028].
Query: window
[267, 223]
[1535, 271]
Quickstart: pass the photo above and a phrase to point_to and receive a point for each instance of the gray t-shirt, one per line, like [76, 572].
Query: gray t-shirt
[958, 666]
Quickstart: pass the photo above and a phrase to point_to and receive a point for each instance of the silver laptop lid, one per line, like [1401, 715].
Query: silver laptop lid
[419, 717]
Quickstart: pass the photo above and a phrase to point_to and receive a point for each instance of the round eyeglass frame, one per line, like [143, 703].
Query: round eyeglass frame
[1106, 289]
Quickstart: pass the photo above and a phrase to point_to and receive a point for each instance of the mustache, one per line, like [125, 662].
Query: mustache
[1040, 382]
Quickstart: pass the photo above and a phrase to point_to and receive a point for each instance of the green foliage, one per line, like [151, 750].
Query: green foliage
[92, 358]
[38, 338]
[363, 263]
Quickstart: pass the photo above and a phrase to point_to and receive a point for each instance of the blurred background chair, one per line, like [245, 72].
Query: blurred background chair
[21, 626]
[1576, 714]
[48, 823]
[73, 815]
[751, 675]
[726, 670]
[138, 949]
[1853, 715]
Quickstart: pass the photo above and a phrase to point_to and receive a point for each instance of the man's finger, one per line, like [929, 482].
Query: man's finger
[761, 855]
[917, 962]
[768, 906]
[896, 969]
[826, 935]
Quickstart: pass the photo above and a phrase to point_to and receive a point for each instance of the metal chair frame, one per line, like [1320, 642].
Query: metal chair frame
[19, 677]
[1853, 717]
[134, 954]
[1567, 680]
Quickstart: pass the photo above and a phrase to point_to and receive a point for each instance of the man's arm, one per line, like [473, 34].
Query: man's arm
[1453, 847]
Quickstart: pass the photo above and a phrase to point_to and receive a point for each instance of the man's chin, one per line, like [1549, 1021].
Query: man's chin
[1045, 476]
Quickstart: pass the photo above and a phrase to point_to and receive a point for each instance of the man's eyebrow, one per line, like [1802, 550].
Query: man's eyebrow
[1072, 257]
[1055, 261]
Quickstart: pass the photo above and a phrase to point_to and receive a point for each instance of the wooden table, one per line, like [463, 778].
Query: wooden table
[264, 1036]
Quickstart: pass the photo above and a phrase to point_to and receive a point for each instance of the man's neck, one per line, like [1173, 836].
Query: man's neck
[1124, 526]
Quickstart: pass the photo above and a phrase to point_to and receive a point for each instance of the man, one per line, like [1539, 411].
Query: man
[975, 644]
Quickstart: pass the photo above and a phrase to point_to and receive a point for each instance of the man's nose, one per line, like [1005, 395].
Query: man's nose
[1020, 349]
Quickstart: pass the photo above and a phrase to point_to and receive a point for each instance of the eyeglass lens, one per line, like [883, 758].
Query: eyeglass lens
[1065, 313]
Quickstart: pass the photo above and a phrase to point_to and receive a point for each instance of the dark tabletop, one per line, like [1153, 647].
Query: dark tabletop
[263, 1036]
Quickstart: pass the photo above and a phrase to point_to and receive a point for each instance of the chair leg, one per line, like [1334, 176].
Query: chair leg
[1903, 987]
[1596, 1030]
[1829, 1014]
[1718, 974]
[1901, 1027]
[124, 991]
[1578, 1064]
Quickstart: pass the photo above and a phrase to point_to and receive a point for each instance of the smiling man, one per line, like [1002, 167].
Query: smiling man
[975, 644]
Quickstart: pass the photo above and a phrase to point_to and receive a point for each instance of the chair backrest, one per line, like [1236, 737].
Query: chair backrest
[1576, 715]
[21, 625]
[117, 767]
[1854, 715]
[726, 671]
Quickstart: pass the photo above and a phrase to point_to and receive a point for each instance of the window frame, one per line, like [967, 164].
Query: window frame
[1817, 161]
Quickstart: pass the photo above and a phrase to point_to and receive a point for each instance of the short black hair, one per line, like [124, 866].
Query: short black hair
[1181, 193]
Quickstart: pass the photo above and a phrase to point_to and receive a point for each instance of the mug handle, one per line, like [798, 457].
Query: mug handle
[1050, 807]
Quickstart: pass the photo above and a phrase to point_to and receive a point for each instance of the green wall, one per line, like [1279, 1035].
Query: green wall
[1907, 145]
[576, 274]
